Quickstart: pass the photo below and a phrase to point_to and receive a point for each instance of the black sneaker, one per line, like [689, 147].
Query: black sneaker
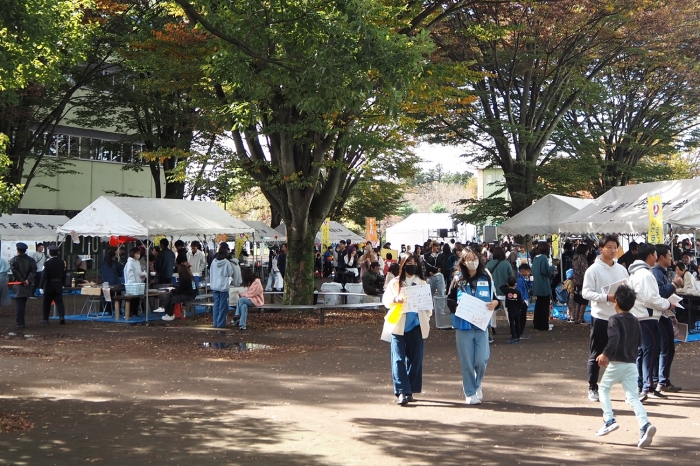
[410, 399]
[643, 396]
[657, 394]
[62, 322]
[646, 435]
[670, 388]
[402, 400]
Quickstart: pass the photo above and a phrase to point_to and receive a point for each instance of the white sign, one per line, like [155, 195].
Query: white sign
[675, 299]
[474, 311]
[417, 298]
[9, 249]
[612, 288]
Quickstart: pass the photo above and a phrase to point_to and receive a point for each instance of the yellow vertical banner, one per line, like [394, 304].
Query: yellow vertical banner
[371, 229]
[240, 242]
[326, 233]
[655, 233]
[555, 246]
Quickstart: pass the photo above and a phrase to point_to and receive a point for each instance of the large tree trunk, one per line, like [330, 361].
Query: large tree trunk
[520, 182]
[275, 216]
[155, 174]
[299, 275]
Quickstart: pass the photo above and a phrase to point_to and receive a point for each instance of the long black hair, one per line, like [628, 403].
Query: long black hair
[247, 276]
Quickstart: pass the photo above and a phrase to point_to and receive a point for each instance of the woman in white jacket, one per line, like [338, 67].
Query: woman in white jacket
[132, 269]
[406, 332]
[134, 275]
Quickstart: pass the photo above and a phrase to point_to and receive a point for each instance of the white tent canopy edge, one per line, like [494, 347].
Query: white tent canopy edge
[147, 217]
[544, 216]
[623, 210]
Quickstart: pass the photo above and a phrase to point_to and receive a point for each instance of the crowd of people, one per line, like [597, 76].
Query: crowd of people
[630, 295]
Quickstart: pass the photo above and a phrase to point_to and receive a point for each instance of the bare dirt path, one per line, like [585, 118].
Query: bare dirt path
[119, 395]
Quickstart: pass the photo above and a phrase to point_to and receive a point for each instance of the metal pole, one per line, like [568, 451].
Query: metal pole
[148, 279]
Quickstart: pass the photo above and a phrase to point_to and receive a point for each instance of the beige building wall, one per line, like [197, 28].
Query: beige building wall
[77, 191]
[486, 176]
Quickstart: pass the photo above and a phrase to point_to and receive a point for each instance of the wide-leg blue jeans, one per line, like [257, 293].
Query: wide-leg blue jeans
[407, 362]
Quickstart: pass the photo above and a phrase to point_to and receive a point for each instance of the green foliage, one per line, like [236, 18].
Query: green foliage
[534, 62]
[490, 211]
[439, 175]
[406, 209]
[643, 108]
[10, 194]
[438, 208]
[320, 84]
[37, 39]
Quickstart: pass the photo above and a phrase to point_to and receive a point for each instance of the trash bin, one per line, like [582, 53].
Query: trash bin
[354, 288]
[442, 312]
[331, 288]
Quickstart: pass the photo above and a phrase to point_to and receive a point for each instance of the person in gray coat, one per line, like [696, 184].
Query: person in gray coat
[24, 270]
[541, 287]
[236, 276]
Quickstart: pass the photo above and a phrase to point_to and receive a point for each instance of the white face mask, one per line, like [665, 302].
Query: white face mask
[472, 265]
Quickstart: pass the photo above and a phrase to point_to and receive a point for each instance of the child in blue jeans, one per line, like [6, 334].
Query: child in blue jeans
[619, 358]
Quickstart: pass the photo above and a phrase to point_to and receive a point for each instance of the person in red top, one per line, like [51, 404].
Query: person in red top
[253, 297]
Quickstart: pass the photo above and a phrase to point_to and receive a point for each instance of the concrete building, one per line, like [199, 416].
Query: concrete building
[485, 177]
[98, 159]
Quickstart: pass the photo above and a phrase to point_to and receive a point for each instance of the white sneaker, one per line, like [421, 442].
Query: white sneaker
[160, 309]
[168, 318]
[479, 393]
[473, 400]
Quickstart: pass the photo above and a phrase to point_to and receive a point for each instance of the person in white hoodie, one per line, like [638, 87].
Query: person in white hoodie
[220, 276]
[648, 309]
[603, 272]
[132, 269]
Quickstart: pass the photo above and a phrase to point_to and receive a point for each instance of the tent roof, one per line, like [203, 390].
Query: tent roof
[337, 230]
[624, 209]
[145, 217]
[265, 232]
[543, 217]
[422, 222]
[27, 227]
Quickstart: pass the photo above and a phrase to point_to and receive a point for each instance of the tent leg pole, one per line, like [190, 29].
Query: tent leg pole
[148, 279]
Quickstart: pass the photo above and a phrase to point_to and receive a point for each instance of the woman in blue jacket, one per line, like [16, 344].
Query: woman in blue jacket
[472, 342]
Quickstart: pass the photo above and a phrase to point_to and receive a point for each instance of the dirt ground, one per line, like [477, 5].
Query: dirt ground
[116, 394]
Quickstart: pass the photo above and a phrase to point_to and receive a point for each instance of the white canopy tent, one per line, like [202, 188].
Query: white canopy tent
[265, 233]
[624, 210]
[544, 216]
[146, 217]
[337, 231]
[419, 227]
[27, 227]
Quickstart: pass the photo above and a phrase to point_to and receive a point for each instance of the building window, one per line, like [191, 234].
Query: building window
[74, 147]
[62, 145]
